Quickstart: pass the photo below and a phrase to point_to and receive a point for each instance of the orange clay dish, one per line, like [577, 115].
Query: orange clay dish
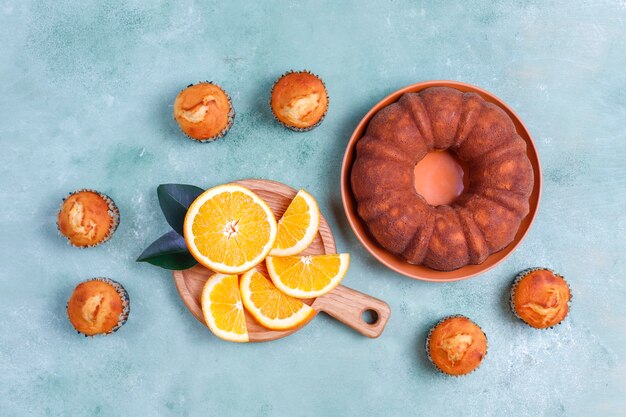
[87, 218]
[299, 100]
[469, 256]
[204, 112]
[540, 298]
[98, 306]
[456, 345]
[483, 220]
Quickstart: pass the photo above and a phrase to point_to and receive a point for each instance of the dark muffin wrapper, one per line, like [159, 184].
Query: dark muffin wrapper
[113, 212]
[427, 344]
[229, 124]
[518, 278]
[293, 128]
[125, 305]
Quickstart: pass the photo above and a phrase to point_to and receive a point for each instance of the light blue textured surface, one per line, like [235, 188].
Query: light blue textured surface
[86, 95]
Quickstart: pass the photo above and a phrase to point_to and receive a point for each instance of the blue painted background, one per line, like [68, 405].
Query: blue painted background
[86, 93]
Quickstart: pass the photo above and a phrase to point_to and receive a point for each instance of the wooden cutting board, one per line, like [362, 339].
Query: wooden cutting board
[343, 303]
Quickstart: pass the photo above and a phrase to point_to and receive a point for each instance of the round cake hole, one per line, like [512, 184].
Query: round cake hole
[440, 178]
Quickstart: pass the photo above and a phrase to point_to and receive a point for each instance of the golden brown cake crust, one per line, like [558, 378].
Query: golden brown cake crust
[86, 218]
[299, 100]
[541, 298]
[203, 111]
[95, 307]
[456, 345]
[486, 216]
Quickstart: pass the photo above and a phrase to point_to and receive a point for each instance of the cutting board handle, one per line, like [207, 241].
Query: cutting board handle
[348, 306]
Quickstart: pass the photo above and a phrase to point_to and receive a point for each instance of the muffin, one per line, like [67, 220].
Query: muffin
[204, 112]
[540, 297]
[456, 345]
[87, 218]
[98, 306]
[299, 100]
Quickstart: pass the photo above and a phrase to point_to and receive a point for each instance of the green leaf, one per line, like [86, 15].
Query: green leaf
[175, 199]
[169, 252]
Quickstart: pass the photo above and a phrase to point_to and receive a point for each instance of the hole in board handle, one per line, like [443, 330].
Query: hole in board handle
[370, 316]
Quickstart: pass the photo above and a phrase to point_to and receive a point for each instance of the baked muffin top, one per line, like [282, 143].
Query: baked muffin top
[203, 111]
[95, 307]
[457, 345]
[299, 100]
[541, 298]
[85, 218]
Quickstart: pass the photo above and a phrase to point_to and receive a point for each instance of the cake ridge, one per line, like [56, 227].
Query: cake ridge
[465, 111]
[382, 151]
[517, 144]
[442, 105]
[380, 212]
[439, 250]
[419, 124]
[493, 236]
[497, 198]
[473, 250]
[419, 257]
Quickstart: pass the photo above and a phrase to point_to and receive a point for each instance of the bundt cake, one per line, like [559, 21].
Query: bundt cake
[484, 218]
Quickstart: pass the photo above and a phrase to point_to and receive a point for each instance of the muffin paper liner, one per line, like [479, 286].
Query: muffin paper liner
[125, 305]
[114, 213]
[427, 345]
[299, 129]
[516, 282]
[229, 124]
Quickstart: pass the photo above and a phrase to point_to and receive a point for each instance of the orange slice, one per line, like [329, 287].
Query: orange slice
[298, 226]
[307, 276]
[223, 309]
[229, 229]
[269, 305]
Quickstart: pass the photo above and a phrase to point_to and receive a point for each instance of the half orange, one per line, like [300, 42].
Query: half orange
[229, 229]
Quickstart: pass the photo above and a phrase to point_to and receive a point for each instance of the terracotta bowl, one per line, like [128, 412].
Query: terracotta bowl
[417, 271]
